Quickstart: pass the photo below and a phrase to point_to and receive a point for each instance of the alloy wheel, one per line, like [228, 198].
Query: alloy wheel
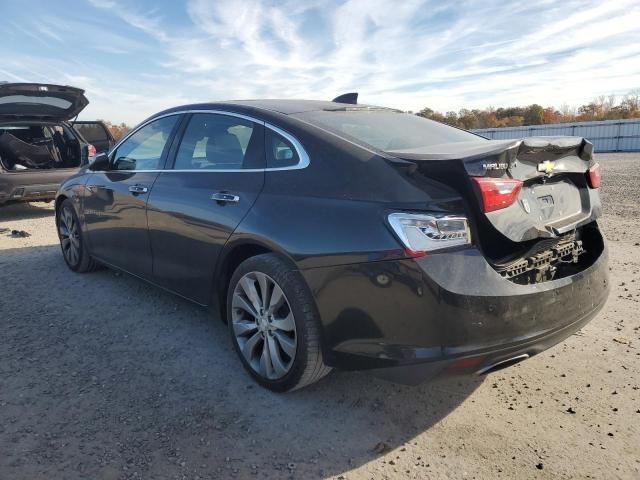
[263, 325]
[69, 236]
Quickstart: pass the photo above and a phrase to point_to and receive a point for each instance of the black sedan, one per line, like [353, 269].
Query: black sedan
[333, 234]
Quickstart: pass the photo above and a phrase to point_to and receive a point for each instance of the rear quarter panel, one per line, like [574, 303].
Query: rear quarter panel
[334, 211]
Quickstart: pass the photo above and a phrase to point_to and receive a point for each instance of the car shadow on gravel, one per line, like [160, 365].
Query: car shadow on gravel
[105, 376]
[25, 211]
[366, 418]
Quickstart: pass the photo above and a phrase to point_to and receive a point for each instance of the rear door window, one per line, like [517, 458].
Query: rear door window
[220, 142]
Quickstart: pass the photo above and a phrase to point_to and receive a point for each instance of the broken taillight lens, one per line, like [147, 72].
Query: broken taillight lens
[497, 193]
[91, 150]
[593, 176]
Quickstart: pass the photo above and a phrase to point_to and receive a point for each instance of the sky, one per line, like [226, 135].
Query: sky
[136, 58]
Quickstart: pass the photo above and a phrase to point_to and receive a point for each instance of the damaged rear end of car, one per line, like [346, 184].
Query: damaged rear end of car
[512, 263]
[533, 203]
[535, 270]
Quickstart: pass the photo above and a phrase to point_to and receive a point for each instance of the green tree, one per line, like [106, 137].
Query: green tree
[534, 115]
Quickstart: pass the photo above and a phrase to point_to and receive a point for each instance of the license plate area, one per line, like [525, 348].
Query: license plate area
[555, 201]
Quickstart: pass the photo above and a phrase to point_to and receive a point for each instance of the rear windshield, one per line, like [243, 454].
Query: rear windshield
[385, 129]
[29, 104]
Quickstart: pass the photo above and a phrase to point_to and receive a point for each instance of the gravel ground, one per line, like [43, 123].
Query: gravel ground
[103, 376]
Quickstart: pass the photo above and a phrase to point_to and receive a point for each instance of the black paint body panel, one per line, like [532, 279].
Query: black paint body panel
[188, 229]
[116, 220]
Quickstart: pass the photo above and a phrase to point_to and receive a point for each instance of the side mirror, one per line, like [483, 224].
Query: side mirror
[100, 162]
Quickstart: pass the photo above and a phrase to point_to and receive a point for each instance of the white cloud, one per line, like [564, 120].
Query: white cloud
[408, 54]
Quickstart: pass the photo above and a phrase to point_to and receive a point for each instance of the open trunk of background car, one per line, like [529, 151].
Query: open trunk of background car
[38, 147]
[34, 133]
[40, 102]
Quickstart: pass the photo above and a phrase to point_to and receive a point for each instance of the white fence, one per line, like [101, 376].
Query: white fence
[606, 135]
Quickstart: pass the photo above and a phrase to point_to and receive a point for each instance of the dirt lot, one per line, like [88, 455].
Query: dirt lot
[103, 376]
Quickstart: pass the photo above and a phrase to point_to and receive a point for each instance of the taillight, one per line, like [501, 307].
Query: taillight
[91, 149]
[593, 176]
[421, 233]
[497, 193]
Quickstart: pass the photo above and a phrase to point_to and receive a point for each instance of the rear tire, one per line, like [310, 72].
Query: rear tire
[74, 248]
[274, 324]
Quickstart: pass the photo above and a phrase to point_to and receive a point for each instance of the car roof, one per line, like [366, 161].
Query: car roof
[286, 107]
[289, 107]
[269, 108]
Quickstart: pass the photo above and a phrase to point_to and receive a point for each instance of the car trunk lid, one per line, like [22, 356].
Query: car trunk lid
[38, 102]
[554, 197]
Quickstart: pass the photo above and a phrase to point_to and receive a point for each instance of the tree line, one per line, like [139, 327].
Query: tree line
[601, 108]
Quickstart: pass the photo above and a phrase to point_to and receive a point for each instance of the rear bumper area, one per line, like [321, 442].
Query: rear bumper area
[446, 313]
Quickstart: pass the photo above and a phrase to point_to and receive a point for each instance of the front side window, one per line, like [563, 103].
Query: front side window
[220, 142]
[144, 149]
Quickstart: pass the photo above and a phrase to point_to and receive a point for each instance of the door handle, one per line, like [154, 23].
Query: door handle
[136, 189]
[223, 197]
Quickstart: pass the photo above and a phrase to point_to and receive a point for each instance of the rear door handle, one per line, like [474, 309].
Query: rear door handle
[223, 197]
[135, 189]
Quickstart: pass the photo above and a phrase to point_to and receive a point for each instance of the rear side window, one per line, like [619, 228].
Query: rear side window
[220, 142]
[144, 149]
[280, 152]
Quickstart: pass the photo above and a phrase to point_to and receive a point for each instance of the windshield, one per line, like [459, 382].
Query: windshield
[385, 129]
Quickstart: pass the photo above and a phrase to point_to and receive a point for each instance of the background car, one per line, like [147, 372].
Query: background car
[39, 148]
[331, 234]
[96, 133]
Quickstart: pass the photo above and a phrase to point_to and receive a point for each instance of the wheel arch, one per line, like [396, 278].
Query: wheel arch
[58, 203]
[59, 199]
[234, 253]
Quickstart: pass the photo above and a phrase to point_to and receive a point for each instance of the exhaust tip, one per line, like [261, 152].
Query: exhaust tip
[494, 367]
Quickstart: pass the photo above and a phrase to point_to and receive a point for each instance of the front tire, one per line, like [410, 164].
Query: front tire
[274, 324]
[74, 249]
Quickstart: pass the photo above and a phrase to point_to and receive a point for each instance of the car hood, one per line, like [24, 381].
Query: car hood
[37, 101]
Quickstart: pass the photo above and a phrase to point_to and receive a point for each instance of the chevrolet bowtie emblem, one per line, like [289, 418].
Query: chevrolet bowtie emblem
[547, 166]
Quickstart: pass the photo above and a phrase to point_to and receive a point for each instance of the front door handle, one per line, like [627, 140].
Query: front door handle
[224, 197]
[137, 189]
